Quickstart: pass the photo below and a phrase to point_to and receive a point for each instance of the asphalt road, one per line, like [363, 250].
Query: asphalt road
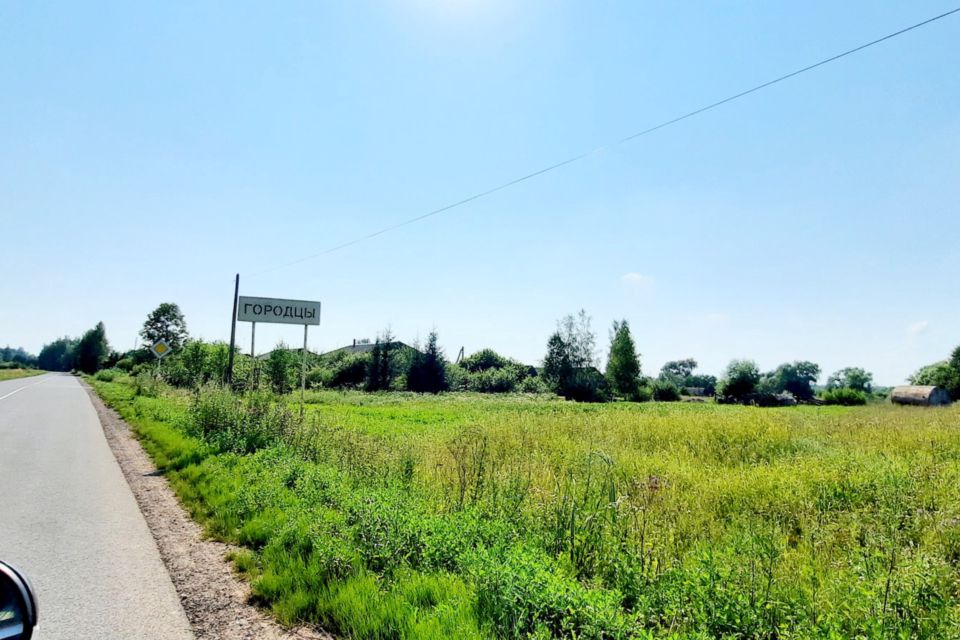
[69, 521]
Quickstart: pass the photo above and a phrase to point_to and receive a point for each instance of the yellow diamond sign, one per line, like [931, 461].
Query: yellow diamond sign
[160, 348]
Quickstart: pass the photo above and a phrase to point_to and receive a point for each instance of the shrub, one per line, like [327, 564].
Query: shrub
[586, 385]
[108, 375]
[147, 385]
[644, 391]
[350, 372]
[483, 360]
[533, 384]
[239, 425]
[665, 391]
[279, 368]
[458, 378]
[503, 380]
[125, 364]
[844, 396]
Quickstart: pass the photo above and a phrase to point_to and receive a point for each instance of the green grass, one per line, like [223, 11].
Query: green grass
[12, 374]
[461, 516]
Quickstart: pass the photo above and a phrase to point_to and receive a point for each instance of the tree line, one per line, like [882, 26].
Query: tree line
[570, 368]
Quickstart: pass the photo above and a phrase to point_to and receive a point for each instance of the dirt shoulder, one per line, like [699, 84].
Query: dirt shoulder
[214, 598]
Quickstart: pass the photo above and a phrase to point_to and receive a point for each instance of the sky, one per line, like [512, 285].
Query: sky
[150, 151]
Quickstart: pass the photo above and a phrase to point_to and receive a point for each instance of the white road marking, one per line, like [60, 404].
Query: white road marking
[26, 386]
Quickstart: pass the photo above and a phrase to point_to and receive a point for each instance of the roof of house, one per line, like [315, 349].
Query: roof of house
[296, 350]
[364, 347]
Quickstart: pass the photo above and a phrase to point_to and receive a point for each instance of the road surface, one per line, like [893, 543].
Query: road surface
[69, 521]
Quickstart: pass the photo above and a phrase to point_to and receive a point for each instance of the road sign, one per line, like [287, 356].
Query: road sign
[161, 349]
[277, 310]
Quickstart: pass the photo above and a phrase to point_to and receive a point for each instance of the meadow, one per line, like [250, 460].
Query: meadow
[13, 374]
[524, 516]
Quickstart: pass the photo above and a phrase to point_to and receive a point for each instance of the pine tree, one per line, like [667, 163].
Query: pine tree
[428, 370]
[623, 364]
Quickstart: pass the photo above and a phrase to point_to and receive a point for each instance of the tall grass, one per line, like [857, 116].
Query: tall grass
[13, 374]
[399, 516]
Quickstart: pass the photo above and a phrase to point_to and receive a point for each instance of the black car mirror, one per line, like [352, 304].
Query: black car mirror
[18, 606]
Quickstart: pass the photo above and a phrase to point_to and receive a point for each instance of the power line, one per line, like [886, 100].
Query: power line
[634, 136]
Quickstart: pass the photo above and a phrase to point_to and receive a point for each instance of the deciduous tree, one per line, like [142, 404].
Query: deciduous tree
[165, 323]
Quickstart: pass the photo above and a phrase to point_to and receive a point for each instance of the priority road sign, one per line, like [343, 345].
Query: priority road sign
[161, 349]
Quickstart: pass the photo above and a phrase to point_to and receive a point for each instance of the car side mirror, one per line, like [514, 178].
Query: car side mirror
[18, 606]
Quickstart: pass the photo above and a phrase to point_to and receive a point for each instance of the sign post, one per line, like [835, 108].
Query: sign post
[280, 311]
[161, 349]
[303, 370]
[253, 355]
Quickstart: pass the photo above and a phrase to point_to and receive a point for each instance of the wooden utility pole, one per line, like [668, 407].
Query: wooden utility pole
[233, 331]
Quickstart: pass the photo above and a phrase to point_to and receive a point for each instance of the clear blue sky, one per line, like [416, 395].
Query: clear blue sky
[150, 151]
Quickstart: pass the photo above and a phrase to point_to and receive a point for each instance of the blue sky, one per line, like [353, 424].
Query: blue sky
[151, 151]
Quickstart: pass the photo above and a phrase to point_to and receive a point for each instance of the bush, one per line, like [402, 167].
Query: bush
[503, 380]
[586, 385]
[665, 391]
[485, 359]
[458, 378]
[108, 375]
[147, 385]
[350, 372]
[844, 396]
[644, 392]
[239, 425]
[533, 384]
[125, 364]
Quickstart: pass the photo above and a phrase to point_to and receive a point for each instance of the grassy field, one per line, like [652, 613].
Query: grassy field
[462, 516]
[11, 374]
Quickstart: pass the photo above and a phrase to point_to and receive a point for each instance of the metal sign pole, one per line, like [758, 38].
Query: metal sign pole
[303, 370]
[253, 354]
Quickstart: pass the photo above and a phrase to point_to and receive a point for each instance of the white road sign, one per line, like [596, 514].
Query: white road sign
[278, 310]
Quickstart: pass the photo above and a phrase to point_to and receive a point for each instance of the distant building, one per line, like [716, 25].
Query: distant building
[297, 351]
[922, 395]
[364, 346]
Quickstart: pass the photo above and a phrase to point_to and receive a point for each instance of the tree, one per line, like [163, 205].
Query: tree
[796, 378]
[701, 381]
[279, 368]
[485, 359]
[557, 365]
[677, 371]
[92, 350]
[851, 378]
[740, 380]
[623, 363]
[59, 355]
[955, 360]
[940, 374]
[570, 364]
[165, 323]
[382, 369]
[18, 356]
[581, 342]
[427, 372]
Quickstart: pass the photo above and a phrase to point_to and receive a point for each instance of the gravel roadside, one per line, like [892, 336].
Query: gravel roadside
[214, 598]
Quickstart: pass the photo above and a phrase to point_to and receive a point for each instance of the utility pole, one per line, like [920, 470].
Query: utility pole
[233, 331]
